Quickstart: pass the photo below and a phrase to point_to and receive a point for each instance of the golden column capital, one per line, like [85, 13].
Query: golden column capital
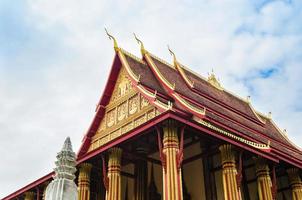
[29, 196]
[261, 166]
[115, 155]
[294, 176]
[84, 181]
[229, 172]
[227, 153]
[263, 179]
[114, 174]
[85, 167]
[295, 183]
[170, 133]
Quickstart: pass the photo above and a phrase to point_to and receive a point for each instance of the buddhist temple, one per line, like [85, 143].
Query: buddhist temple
[163, 132]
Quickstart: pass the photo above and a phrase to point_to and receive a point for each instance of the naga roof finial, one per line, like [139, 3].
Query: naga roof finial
[112, 38]
[173, 54]
[213, 80]
[143, 50]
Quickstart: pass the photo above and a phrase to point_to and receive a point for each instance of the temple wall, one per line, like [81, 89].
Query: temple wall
[250, 178]
[218, 176]
[158, 174]
[128, 182]
[193, 174]
[284, 188]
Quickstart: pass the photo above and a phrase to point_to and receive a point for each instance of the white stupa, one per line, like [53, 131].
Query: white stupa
[63, 186]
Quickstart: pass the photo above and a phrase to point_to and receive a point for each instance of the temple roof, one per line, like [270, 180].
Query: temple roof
[201, 102]
[175, 88]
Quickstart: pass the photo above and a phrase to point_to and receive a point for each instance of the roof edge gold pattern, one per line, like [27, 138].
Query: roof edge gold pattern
[170, 105]
[127, 67]
[136, 78]
[189, 105]
[180, 70]
[161, 60]
[200, 112]
[284, 135]
[255, 113]
[230, 135]
[172, 87]
[133, 56]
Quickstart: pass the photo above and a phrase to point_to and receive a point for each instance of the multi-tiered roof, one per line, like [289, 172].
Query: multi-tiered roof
[201, 103]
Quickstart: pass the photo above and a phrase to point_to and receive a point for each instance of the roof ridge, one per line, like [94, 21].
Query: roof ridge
[141, 89]
[228, 92]
[161, 60]
[133, 56]
[205, 79]
[257, 114]
[254, 111]
[284, 135]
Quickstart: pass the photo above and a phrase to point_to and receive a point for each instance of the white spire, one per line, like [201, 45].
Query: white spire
[63, 186]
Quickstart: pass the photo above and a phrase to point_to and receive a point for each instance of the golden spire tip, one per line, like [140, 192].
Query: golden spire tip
[140, 43]
[112, 38]
[172, 54]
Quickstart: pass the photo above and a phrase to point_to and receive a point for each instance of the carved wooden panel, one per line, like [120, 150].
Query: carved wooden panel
[126, 110]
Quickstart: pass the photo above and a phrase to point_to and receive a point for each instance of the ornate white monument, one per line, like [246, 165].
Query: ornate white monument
[63, 186]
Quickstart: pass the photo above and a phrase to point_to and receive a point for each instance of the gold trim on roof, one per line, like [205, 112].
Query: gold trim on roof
[126, 65]
[284, 134]
[172, 87]
[225, 90]
[230, 135]
[180, 70]
[161, 60]
[184, 103]
[189, 105]
[133, 56]
[255, 113]
[157, 102]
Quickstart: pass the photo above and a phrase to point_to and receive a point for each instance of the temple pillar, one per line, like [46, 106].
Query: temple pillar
[141, 176]
[114, 175]
[84, 181]
[29, 196]
[295, 183]
[229, 173]
[263, 180]
[171, 159]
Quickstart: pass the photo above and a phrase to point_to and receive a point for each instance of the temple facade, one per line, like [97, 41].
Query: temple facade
[162, 132]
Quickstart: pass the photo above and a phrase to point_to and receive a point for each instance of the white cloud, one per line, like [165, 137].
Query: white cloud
[57, 97]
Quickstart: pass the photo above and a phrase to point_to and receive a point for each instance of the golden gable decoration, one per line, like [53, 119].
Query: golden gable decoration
[127, 109]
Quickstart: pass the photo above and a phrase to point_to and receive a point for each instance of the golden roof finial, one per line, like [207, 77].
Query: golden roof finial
[140, 43]
[112, 38]
[213, 80]
[269, 115]
[173, 54]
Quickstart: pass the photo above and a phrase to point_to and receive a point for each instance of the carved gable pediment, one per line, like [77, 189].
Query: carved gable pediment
[126, 110]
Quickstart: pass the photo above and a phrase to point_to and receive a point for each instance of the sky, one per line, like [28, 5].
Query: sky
[55, 58]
